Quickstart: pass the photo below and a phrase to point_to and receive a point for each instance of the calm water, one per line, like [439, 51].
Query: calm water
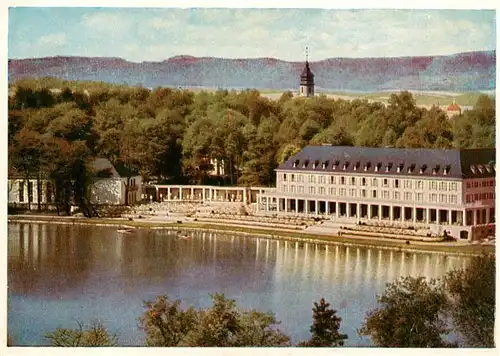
[58, 274]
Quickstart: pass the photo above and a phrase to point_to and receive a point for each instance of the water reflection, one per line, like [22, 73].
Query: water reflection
[59, 273]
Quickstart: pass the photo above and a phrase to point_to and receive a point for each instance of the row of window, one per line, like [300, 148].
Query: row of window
[363, 181]
[443, 198]
[372, 193]
[483, 184]
[470, 198]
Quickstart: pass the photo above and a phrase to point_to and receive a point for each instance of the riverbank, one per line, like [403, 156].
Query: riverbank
[448, 248]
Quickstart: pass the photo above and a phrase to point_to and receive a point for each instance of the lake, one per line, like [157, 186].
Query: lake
[61, 274]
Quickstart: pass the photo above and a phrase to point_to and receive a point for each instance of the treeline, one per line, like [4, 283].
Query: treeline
[174, 135]
[412, 312]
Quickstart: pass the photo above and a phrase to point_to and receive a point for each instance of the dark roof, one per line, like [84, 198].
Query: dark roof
[126, 172]
[451, 163]
[306, 77]
[103, 168]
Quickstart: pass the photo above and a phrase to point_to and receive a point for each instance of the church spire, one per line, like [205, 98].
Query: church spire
[306, 79]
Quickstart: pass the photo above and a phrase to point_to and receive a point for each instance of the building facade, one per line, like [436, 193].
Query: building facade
[446, 190]
[109, 187]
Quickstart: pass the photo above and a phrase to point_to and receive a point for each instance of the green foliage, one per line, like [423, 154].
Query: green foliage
[472, 301]
[411, 314]
[173, 135]
[325, 327]
[222, 325]
[165, 323]
[415, 312]
[95, 335]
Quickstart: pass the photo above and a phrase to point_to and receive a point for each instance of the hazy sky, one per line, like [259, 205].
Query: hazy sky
[142, 34]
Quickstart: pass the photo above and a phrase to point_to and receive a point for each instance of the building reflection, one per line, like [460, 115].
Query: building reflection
[66, 261]
[42, 262]
[364, 270]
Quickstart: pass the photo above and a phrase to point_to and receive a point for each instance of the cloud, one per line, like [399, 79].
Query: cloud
[107, 23]
[141, 34]
[56, 39]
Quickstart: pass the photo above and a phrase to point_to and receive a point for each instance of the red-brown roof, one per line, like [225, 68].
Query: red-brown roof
[454, 107]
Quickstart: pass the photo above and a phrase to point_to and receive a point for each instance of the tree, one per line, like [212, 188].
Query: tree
[472, 296]
[165, 323]
[402, 112]
[27, 156]
[67, 167]
[222, 325]
[325, 327]
[412, 314]
[259, 329]
[95, 335]
[216, 326]
[259, 159]
[196, 149]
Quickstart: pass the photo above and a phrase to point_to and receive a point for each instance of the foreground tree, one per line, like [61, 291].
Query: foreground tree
[95, 335]
[411, 315]
[472, 301]
[222, 325]
[165, 323]
[325, 327]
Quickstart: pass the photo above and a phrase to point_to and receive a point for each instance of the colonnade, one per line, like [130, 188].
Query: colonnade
[361, 211]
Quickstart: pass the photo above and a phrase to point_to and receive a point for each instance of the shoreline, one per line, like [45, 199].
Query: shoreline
[263, 232]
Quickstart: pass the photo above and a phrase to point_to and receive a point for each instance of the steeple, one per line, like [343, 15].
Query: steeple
[306, 79]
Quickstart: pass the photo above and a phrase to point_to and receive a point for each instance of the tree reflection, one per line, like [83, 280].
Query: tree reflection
[47, 260]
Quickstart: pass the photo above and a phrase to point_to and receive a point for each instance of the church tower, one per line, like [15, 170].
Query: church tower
[306, 79]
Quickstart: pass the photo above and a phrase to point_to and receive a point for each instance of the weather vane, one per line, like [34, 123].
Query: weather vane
[307, 54]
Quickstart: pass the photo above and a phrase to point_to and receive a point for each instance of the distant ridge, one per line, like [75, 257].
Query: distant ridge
[470, 71]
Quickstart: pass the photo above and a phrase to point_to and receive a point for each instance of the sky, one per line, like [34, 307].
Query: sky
[155, 34]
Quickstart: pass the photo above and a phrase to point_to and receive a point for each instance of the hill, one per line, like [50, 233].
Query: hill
[471, 71]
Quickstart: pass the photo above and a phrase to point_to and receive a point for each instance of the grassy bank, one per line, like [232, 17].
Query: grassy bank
[292, 235]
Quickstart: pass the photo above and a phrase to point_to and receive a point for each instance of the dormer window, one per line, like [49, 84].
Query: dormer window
[377, 167]
[480, 168]
[356, 165]
[473, 169]
[346, 164]
[296, 163]
[388, 167]
[488, 168]
[411, 168]
[435, 169]
[315, 164]
[446, 170]
[325, 164]
[367, 166]
[399, 168]
[335, 164]
[423, 168]
[306, 162]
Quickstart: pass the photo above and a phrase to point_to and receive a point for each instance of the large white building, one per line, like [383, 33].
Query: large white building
[447, 190]
[109, 187]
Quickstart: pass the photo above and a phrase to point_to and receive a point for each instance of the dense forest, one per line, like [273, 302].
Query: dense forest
[171, 135]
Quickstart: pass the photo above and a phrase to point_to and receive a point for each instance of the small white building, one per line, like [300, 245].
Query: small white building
[110, 187]
[453, 110]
